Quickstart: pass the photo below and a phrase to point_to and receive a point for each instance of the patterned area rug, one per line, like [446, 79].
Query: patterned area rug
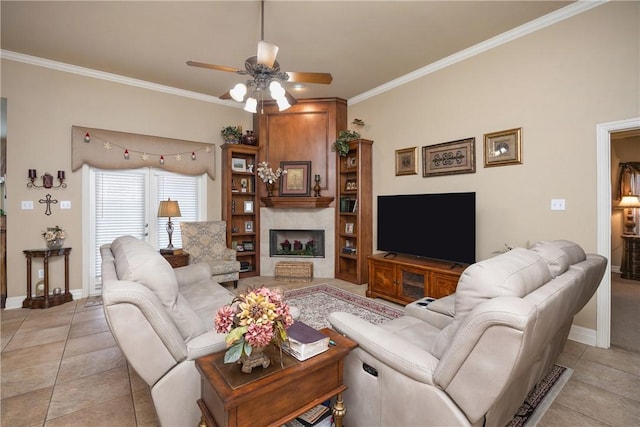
[316, 302]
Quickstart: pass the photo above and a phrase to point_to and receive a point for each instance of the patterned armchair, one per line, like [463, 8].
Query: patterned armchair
[206, 242]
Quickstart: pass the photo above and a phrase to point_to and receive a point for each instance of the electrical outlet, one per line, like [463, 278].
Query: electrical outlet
[40, 274]
[557, 205]
[27, 205]
[65, 204]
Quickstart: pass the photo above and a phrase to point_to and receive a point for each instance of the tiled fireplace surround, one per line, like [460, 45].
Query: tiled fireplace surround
[298, 219]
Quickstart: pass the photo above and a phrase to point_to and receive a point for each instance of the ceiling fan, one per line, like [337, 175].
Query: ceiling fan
[266, 74]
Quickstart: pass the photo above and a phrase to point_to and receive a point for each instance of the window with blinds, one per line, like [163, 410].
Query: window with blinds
[125, 202]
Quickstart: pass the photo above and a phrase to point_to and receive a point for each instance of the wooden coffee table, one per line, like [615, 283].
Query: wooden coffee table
[275, 395]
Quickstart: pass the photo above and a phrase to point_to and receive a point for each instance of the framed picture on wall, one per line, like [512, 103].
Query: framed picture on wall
[248, 226]
[449, 158]
[248, 206]
[503, 148]
[297, 180]
[407, 161]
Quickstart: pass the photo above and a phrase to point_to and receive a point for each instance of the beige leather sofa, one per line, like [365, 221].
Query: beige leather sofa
[469, 359]
[162, 320]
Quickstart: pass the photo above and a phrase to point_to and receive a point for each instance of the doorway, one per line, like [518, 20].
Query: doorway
[604, 204]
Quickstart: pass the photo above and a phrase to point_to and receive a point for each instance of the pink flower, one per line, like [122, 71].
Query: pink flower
[224, 319]
[259, 335]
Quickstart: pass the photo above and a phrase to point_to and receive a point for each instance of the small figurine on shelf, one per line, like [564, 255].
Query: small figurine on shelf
[316, 187]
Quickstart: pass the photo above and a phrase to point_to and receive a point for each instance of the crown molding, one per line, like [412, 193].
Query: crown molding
[116, 78]
[506, 37]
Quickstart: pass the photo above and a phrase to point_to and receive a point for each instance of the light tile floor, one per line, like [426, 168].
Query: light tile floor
[61, 367]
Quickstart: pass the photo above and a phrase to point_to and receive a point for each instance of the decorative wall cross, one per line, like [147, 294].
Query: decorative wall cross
[48, 201]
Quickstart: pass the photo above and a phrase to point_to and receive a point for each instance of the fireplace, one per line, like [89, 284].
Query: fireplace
[296, 243]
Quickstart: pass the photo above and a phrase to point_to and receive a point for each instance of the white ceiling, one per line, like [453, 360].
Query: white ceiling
[363, 44]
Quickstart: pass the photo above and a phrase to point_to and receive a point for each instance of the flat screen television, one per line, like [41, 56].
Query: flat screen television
[438, 226]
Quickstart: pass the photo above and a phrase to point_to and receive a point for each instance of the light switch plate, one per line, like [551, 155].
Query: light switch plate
[557, 204]
[65, 204]
[27, 205]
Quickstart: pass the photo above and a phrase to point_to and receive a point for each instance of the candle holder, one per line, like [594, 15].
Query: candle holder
[47, 180]
[316, 187]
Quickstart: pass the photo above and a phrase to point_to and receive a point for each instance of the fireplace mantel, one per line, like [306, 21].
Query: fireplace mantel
[297, 202]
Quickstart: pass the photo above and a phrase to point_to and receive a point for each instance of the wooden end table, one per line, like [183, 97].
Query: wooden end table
[275, 395]
[47, 300]
[177, 260]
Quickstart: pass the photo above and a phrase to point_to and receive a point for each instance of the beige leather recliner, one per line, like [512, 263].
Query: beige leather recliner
[162, 320]
[472, 358]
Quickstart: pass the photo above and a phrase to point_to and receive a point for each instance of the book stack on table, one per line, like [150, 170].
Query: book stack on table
[304, 342]
[318, 416]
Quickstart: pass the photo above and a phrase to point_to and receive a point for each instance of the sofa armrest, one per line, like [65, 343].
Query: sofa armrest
[393, 351]
[205, 344]
[439, 313]
[229, 254]
[192, 273]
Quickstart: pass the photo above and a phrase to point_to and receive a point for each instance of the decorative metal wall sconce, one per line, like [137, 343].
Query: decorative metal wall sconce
[47, 180]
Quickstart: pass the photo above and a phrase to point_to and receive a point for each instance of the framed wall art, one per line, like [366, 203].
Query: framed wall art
[449, 158]
[297, 180]
[407, 161]
[248, 226]
[503, 148]
[248, 206]
[238, 165]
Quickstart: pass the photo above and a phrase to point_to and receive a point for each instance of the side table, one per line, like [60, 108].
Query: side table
[630, 266]
[177, 260]
[47, 300]
[275, 395]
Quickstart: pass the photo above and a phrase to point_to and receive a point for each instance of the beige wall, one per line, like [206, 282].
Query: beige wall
[43, 104]
[557, 84]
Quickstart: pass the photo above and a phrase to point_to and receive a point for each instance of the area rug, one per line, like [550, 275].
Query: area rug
[316, 302]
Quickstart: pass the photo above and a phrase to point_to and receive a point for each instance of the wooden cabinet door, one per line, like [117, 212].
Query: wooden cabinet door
[412, 283]
[382, 278]
[442, 284]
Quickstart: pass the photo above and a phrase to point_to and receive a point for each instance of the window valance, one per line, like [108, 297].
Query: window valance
[106, 149]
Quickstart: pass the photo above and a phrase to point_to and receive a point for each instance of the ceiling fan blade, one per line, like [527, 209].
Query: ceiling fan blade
[226, 95]
[213, 67]
[302, 77]
[267, 53]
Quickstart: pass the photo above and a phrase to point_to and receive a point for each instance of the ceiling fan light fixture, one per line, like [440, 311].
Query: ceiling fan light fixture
[251, 106]
[283, 104]
[276, 90]
[238, 92]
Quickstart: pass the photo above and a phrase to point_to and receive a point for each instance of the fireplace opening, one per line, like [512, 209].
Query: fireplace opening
[296, 243]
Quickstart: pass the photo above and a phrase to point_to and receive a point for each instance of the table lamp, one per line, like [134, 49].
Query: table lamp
[167, 209]
[629, 203]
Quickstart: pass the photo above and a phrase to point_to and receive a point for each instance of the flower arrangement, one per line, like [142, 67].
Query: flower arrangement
[267, 174]
[231, 133]
[53, 234]
[253, 320]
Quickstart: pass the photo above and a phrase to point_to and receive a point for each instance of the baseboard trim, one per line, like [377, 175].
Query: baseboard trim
[583, 335]
[16, 302]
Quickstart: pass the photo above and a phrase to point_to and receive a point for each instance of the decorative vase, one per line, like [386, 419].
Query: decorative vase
[250, 138]
[286, 247]
[297, 246]
[258, 357]
[269, 186]
[231, 139]
[55, 244]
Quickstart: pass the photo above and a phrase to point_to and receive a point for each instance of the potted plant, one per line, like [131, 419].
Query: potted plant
[231, 134]
[341, 146]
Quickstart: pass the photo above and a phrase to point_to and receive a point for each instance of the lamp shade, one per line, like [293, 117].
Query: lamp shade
[630, 201]
[169, 208]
